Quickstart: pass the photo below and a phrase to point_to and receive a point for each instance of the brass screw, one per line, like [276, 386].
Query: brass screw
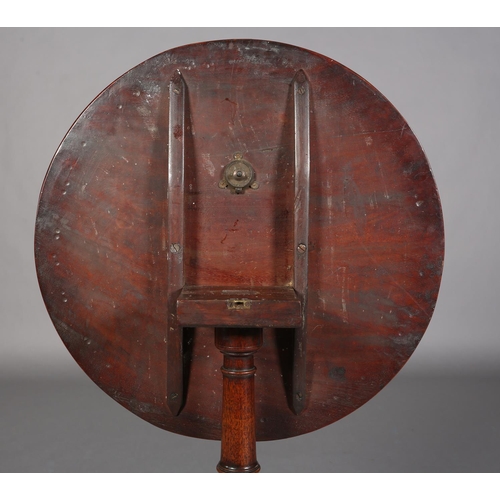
[176, 91]
[174, 395]
[238, 156]
[301, 248]
[302, 90]
[254, 185]
[175, 247]
[222, 184]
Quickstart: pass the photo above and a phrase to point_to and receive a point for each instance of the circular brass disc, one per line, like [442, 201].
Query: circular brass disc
[375, 239]
[239, 174]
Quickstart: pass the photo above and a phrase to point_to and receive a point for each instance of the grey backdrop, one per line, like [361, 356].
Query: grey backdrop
[441, 413]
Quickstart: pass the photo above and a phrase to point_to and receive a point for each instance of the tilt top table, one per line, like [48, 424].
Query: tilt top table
[248, 198]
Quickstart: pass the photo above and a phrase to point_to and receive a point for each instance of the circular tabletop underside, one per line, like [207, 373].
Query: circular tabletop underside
[375, 244]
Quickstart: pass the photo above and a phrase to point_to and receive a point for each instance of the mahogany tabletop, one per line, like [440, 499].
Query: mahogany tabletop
[375, 241]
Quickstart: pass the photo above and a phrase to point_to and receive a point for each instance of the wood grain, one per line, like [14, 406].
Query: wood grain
[375, 249]
[238, 447]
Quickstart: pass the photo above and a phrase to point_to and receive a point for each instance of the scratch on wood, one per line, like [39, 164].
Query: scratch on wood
[234, 107]
[386, 193]
[344, 294]
[394, 282]
[268, 150]
[339, 136]
[298, 200]
[93, 225]
[345, 314]
[207, 164]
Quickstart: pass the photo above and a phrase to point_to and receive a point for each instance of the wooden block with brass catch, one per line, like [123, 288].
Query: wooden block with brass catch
[260, 307]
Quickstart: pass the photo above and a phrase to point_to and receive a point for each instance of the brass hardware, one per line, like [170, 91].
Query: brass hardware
[239, 304]
[175, 247]
[238, 175]
[301, 247]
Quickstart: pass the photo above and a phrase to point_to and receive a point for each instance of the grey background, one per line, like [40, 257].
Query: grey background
[441, 413]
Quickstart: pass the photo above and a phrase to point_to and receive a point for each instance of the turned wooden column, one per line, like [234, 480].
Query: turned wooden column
[238, 447]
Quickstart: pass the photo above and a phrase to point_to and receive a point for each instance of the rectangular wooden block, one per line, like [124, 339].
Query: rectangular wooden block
[259, 307]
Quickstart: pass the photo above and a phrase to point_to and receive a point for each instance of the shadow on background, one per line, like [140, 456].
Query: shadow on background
[449, 423]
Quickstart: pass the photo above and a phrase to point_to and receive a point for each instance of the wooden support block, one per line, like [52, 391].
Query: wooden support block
[263, 307]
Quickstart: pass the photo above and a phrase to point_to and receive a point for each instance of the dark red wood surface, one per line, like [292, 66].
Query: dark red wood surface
[375, 246]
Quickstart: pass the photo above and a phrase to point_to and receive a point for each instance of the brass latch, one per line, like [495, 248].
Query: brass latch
[239, 304]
